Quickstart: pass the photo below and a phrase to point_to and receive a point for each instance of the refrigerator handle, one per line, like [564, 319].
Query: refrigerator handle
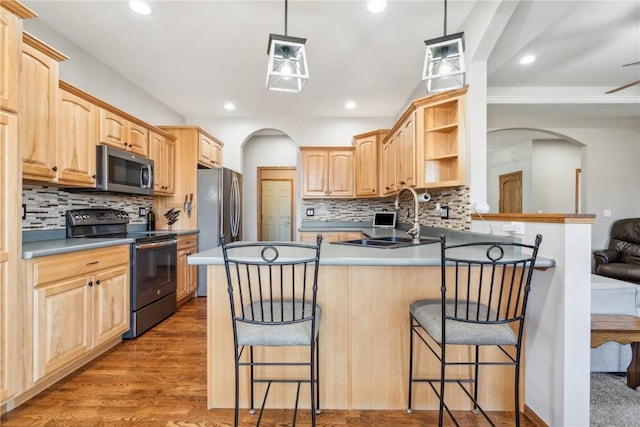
[232, 207]
[237, 207]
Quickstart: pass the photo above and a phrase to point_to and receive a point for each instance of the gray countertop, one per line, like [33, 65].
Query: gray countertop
[336, 254]
[40, 248]
[61, 246]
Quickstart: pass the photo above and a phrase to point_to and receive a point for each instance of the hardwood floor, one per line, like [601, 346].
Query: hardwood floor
[159, 379]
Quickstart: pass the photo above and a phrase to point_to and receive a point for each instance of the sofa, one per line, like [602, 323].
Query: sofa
[621, 260]
[612, 296]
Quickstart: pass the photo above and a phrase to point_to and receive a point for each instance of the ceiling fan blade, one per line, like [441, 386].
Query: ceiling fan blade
[632, 63]
[623, 87]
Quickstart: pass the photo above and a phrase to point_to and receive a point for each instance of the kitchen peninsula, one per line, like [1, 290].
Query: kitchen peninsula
[365, 295]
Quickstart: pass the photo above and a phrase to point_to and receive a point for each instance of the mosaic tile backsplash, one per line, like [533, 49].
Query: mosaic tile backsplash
[456, 199]
[46, 206]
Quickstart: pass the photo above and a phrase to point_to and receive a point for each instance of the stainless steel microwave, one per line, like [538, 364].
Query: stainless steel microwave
[119, 171]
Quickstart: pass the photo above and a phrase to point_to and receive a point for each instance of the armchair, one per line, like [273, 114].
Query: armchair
[621, 260]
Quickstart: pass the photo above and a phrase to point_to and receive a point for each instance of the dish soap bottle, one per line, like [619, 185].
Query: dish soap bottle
[151, 220]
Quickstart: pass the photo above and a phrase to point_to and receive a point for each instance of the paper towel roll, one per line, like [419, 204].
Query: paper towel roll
[424, 197]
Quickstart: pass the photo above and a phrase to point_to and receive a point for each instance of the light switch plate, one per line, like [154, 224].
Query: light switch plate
[142, 211]
[24, 211]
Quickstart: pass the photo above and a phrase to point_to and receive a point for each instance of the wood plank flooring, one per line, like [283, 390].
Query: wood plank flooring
[159, 379]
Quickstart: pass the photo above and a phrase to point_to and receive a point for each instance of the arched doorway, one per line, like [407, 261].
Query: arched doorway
[269, 157]
[549, 165]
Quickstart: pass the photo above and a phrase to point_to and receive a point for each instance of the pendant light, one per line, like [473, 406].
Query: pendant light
[287, 71]
[444, 61]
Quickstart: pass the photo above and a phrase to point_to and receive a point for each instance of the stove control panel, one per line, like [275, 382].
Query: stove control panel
[96, 216]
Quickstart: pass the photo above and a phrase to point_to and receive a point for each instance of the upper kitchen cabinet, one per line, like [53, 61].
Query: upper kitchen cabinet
[441, 140]
[162, 152]
[327, 172]
[406, 152]
[39, 109]
[209, 151]
[366, 149]
[77, 136]
[11, 31]
[120, 132]
[388, 165]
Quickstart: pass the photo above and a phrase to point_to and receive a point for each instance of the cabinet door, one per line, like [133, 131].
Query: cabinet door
[205, 150]
[77, 140]
[216, 155]
[110, 304]
[169, 149]
[9, 52]
[341, 174]
[62, 330]
[388, 157]
[157, 154]
[315, 166]
[137, 139]
[38, 119]
[183, 281]
[406, 158]
[366, 166]
[113, 129]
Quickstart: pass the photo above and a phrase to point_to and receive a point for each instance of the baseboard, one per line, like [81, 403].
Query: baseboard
[533, 417]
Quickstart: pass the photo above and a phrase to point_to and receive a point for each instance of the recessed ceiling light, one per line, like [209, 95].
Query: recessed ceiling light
[350, 105]
[140, 7]
[229, 106]
[376, 6]
[527, 59]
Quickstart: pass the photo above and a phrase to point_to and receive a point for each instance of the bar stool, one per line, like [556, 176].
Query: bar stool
[272, 290]
[483, 301]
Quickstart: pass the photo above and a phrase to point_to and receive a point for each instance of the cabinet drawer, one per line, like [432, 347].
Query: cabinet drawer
[187, 241]
[59, 267]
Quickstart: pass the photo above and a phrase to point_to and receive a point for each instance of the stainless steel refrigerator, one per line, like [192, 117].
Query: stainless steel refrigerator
[219, 211]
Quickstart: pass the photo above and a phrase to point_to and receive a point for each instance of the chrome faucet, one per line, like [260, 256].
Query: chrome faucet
[415, 231]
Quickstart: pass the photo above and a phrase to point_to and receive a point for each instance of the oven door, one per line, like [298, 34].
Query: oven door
[153, 272]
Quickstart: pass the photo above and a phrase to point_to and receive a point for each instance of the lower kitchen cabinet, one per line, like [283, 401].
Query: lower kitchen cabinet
[80, 303]
[331, 236]
[187, 274]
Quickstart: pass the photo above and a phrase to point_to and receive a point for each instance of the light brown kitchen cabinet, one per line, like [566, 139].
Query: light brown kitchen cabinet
[187, 274]
[39, 110]
[209, 151]
[11, 30]
[388, 181]
[406, 152]
[117, 131]
[162, 151]
[367, 147]
[329, 236]
[327, 172]
[81, 303]
[441, 143]
[11, 15]
[187, 153]
[77, 136]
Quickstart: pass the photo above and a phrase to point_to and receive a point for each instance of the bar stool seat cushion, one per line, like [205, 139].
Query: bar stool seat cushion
[292, 334]
[428, 314]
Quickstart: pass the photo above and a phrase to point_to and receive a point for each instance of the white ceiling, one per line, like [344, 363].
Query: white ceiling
[196, 55]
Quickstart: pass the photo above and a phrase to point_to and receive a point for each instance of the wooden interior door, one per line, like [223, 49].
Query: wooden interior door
[511, 192]
[276, 210]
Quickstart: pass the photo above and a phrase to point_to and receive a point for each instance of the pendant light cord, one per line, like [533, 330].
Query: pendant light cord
[445, 18]
[285, 17]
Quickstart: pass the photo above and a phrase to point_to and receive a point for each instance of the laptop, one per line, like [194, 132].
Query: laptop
[384, 219]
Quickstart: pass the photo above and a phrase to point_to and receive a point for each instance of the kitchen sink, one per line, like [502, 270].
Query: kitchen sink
[391, 242]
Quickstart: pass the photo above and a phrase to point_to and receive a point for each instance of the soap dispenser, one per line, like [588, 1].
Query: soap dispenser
[151, 220]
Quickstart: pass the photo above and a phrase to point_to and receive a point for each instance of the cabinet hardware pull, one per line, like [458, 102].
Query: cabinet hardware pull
[97, 282]
[93, 176]
[93, 262]
[90, 283]
[55, 169]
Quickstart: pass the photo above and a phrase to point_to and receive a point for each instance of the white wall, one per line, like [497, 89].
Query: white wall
[92, 76]
[258, 151]
[515, 156]
[554, 164]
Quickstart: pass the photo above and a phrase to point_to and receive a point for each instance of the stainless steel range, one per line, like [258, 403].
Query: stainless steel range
[153, 263]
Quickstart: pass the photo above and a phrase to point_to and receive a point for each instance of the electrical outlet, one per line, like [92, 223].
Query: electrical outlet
[444, 212]
[518, 227]
[142, 211]
[24, 211]
[310, 212]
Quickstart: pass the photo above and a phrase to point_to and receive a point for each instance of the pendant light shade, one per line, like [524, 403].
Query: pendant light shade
[287, 71]
[444, 63]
